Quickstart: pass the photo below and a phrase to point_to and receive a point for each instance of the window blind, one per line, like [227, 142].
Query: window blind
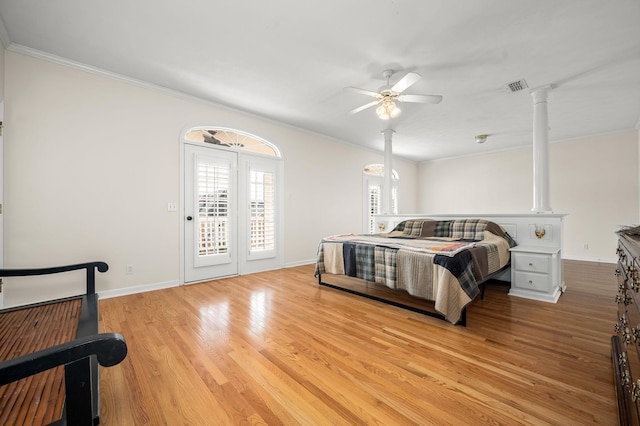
[261, 211]
[213, 182]
[375, 204]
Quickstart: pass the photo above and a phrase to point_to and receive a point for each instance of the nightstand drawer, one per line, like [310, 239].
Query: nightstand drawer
[532, 262]
[532, 281]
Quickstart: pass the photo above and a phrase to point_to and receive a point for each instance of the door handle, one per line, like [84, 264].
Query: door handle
[189, 218]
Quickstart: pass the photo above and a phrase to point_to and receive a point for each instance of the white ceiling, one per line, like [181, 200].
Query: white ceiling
[290, 60]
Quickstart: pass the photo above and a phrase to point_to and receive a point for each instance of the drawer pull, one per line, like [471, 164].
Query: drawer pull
[624, 298]
[635, 391]
[622, 359]
[626, 378]
[619, 326]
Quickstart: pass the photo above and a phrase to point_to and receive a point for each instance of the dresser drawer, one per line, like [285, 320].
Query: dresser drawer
[632, 328]
[630, 362]
[532, 262]
[532, 281]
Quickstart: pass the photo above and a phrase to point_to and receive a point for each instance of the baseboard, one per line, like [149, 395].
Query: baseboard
[107, 294]
[300, 263]
[590, 259]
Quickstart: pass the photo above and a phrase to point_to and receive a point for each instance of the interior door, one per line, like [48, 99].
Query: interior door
[210, 231]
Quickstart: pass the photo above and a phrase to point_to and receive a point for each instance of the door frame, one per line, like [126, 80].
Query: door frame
[256, 265]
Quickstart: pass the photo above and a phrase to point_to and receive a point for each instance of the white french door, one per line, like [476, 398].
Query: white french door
[233, 222]
[210, 213]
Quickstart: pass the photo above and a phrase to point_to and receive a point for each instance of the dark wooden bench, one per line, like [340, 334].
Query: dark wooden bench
[50, 355]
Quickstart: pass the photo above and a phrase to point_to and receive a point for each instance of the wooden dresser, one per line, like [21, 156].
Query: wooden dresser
[625, 345]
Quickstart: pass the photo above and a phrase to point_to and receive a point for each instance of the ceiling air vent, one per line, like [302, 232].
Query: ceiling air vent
[516, 86]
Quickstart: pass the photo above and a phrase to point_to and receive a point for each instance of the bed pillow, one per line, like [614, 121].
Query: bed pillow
[498, 230]
[413, 227]
[468, 229]
[428, 228]
[442, 228]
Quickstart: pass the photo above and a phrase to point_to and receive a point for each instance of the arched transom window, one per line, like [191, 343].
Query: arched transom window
[233, 139]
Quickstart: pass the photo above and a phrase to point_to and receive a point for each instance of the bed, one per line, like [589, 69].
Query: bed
[443, 261]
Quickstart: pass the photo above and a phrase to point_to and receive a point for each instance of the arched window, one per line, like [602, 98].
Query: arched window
[373, 183]
[234, 139]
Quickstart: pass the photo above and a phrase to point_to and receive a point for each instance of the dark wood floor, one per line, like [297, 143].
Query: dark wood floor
[274, 348]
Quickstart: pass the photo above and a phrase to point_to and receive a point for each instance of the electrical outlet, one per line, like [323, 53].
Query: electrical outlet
[586, 246]
[129, 269]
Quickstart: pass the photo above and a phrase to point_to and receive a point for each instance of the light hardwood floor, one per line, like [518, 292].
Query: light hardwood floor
[274, 348]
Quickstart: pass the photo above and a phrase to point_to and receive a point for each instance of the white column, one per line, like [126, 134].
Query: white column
[541, 203]
[388, 171]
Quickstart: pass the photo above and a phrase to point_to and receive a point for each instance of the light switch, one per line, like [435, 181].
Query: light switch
[172, 207]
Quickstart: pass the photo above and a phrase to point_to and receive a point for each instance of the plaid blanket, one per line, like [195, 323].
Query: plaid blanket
[460, 267]
[385, 266]
[365, 262]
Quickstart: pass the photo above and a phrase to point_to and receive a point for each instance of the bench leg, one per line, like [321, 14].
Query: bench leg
[78, 388]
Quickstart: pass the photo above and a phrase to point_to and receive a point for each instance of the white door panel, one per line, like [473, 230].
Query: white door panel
[210, 213]
[259, 213]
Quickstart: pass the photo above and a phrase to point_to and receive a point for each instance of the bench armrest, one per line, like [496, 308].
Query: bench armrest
[109, 348]
[89, 266]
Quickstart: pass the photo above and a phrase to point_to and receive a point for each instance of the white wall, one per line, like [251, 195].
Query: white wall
[491, 183]
[592, 180]
[91, 163]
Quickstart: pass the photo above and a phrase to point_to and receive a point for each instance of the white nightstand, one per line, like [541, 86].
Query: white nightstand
[536, 273]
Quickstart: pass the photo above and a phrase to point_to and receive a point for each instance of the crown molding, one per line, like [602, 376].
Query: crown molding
[39, 54]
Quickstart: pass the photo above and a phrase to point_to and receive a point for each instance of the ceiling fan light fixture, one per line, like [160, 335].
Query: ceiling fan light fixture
[395, 111]
[388, 109]
[387, 97]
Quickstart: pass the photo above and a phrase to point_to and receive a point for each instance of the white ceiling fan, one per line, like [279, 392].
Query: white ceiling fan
[387, 96]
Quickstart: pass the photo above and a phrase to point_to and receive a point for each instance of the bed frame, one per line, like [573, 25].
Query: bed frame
[397, 298]
[521, 227]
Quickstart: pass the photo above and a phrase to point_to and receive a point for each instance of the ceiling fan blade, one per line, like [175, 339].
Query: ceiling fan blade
[363, 92]
[421, 99]
[406, 82]
[363, 107]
